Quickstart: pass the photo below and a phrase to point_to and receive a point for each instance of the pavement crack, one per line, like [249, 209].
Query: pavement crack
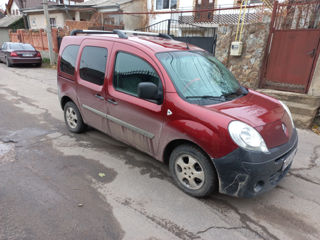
[179, 231]
[217, 227]
[246, 221]
[8, 140]
[303, 178]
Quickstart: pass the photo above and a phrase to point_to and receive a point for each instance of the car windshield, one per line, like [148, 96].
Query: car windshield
[200, 77]
[21, 46]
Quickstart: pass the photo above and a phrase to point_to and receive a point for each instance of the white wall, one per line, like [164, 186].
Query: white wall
[155, 18]
[14, 9]
[37, 21]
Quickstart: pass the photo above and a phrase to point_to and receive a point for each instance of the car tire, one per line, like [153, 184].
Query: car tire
[193, 171]
[8, 63]
[73, 118]
[38, 65]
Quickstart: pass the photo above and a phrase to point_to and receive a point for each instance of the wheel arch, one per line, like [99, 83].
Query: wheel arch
[177, 142]
[64, 100]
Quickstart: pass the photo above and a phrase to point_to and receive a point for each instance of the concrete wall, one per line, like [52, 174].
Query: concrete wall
[132, 22]
[246, 68]
[37, 21]
[4, 36]
[314, 89]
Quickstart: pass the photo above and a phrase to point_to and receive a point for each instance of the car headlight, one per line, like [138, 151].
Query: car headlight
[288, 111]
[247, 137]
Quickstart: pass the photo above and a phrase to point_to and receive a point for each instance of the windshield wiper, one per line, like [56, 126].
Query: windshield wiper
[240, 92]
[219, 98]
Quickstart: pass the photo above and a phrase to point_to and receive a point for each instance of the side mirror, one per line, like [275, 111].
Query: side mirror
[148, 90]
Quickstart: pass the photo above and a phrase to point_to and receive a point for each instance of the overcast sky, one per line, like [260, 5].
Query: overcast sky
[2, 2]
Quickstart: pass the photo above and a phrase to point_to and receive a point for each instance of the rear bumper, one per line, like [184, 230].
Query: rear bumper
[19, 60]
[244, 173]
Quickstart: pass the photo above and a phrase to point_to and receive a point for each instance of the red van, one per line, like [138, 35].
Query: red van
[178, 104]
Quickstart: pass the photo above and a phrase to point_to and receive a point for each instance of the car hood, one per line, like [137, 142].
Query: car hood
[263, 113]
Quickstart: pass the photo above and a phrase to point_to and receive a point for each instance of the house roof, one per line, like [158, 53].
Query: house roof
[103, 3]
[9, 20]
[34, 4]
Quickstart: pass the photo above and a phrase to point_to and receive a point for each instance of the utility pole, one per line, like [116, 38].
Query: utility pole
[25, 21]
[48, 28]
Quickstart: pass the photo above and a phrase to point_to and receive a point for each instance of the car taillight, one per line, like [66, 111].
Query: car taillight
[38, 54]
[13, 54]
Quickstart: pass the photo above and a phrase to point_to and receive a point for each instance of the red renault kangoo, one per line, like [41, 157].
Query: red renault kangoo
[180, 105]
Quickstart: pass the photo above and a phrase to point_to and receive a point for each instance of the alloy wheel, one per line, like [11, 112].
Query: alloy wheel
[189, 172]
[71, 117]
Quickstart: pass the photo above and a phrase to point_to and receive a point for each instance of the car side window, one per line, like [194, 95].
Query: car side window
[130, 70]
[93, 64]
[68, 59]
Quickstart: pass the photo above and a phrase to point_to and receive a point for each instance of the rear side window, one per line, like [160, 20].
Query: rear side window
[68, 59]
[130, 70]
[93, 64]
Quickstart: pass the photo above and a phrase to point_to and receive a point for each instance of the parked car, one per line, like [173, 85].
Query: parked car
[12, 53]
[180, 105]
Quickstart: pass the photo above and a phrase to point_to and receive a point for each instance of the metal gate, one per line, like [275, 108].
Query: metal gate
[203, 37]
[293, 47]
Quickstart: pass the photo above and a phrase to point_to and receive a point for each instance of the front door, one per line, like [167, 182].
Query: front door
[135, 121]
[291, 59]
[91, 82]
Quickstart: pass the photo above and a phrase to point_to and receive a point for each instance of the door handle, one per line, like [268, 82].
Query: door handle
[112, 101]
[99, 96]
[312, 53]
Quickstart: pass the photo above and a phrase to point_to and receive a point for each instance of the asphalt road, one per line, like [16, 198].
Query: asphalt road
[50, 186]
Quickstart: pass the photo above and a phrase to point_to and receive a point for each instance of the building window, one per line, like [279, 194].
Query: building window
[166, 4]
[255, 1]
[53, 22]
[93, 64]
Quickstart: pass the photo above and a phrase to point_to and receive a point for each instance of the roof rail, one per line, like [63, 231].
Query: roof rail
[120, 33]
[136, 33]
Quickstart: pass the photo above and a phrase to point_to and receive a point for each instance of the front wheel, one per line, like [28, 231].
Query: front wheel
[192, 171]
[8, 63]
[73, 118]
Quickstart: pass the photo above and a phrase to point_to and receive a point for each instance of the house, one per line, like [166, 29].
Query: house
[205, 18]
[88, 14]
[6, 23]
[110, 13]
[13, 7]
[59, 11]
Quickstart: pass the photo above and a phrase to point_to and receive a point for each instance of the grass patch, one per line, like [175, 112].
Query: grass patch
[46, 63]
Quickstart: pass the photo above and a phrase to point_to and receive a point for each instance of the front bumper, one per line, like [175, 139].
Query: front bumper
[245, 173]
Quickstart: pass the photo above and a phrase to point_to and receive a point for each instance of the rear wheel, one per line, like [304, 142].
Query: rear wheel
[8, 63]
[192, 171]
[73, 118]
